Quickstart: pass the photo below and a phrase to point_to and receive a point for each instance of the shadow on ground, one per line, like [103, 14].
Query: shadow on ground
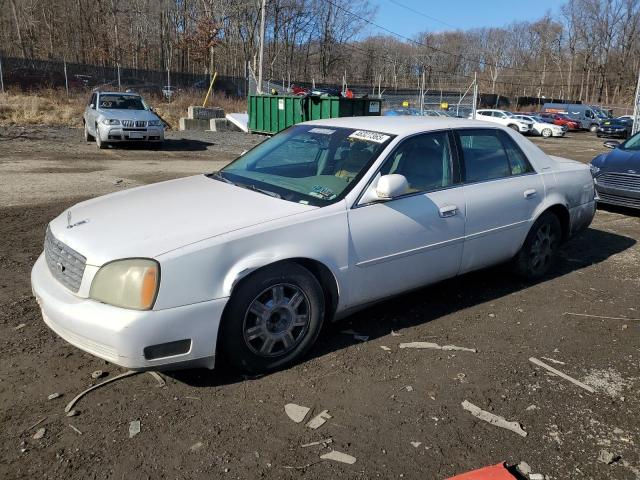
[169, 144]
[426, 304]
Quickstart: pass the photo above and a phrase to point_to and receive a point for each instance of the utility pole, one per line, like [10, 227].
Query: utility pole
[261, 54]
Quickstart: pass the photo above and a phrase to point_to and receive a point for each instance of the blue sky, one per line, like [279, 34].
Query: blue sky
[463, 14]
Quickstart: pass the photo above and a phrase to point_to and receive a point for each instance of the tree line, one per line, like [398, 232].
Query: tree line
[589, 50]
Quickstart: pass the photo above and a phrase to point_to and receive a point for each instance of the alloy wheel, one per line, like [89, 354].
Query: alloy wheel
[543, 248]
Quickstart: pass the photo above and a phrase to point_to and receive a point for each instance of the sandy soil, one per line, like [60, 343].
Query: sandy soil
[205, 424]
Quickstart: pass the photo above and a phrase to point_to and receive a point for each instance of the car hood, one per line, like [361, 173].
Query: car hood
[124, 114]
[151, 220]
[619, 160]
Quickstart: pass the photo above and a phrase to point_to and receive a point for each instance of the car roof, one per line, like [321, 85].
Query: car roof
[402, 125]
[108, 92]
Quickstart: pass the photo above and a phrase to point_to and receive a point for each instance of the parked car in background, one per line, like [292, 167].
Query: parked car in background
[560, 119]
[588, 117]
[316, 222]
[112, 117]
[541, 127]
[620, 127]
[616, 174]
[504, 118]
[132, 85]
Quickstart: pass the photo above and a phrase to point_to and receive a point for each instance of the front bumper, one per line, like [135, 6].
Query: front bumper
[120, 335]
[117, 133]
[609, 132]
[524, 128]
[616, 195]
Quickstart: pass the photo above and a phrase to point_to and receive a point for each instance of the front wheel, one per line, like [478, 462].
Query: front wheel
[514, 127]
[99, 143]
[593, 128]
[87, 136]
[539, 250]
[546, 133]
[272, 318]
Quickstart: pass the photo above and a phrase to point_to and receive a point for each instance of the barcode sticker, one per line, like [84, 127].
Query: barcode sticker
[369, 136]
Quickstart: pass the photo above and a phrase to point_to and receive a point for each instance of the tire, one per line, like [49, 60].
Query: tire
[538, 253]
[593, 128]
[272, 319]
[546, 132]
[87, 136]
[514, 127]
[99, 143]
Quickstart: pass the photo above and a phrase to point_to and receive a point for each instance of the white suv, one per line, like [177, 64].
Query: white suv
[504, 118]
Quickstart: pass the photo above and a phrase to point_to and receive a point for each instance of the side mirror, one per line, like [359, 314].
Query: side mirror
[387, 188]
[92, 106]
[611, 144]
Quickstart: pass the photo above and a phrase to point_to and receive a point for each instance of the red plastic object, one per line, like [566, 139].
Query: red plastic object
[496, 472]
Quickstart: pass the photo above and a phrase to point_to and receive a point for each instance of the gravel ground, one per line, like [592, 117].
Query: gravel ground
[206, 424]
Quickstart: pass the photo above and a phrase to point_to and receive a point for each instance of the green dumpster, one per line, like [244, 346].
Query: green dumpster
[273, 113]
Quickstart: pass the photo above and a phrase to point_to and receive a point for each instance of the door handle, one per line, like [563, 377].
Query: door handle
[530, 193]
[448, 211]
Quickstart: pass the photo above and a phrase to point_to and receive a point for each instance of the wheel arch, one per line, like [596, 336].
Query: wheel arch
[562, 212]
[320, 271]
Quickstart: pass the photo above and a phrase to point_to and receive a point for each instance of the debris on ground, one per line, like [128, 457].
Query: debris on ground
[324, 443]
[82, 394]
[540, 363]
[20, 327]
[196, 446]
[600, 316]
[356, 335]
[39, 434]
[409, 388]
[416, 444]
[134, 428]
[493, 419]
[72, 413]
[524, 468]
[158, 378]
[319, 420]
[536, 476]
[337, 456]
[98, 374]
[558, 362]
[53, 396]
[531, 407]
[435, 346]
[75, 429]
[297, 413]
[385, 348]
[395, 334]
[495, 472]
[34, 425]
[608, 457]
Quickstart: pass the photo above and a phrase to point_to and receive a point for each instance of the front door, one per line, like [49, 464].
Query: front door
[414, 239]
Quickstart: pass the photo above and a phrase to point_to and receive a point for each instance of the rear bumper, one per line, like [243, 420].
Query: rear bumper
[581, 217]
[120, 335]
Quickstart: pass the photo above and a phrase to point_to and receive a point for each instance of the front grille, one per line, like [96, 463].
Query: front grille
[618, 200]
[141, 123]
[64, 263]
[127, 123]
[621, 181]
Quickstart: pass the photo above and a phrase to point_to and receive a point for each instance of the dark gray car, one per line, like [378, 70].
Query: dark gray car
[617, 173]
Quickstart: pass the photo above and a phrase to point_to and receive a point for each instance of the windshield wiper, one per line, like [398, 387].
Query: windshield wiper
[218, 176]
[259, 190]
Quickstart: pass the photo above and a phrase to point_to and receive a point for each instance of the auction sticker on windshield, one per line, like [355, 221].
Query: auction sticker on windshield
[369, 136]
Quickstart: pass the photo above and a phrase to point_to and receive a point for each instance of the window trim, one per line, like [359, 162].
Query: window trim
[454, 161]
[463, 172]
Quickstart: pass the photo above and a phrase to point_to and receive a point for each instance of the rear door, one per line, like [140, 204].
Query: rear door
[502, 192]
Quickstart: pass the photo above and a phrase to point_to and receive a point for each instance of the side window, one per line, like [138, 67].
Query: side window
[517, 160]
[92, 100]
[484, 156]
[424, 160]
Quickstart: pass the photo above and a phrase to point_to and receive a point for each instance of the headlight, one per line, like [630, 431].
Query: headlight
[131, 283]
[154, 123]
[594, 169]
[110, 121]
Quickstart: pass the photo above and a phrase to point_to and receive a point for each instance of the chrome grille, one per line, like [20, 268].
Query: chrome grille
[622, 181]
[127, 123]
[64, 263]
[618, 200]
[141, 123]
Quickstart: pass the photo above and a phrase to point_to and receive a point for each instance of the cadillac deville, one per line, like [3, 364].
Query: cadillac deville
[320, 220]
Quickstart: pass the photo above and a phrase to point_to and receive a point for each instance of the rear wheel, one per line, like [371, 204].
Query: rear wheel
[593, 128]
[272, 318]
[546, 132]
[538, 253]
[87, 136]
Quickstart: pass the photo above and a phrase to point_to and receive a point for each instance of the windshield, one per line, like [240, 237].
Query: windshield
[121, 102]
[307, 164]
[632, 144]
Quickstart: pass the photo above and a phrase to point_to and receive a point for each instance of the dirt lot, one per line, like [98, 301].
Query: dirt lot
[214, 425]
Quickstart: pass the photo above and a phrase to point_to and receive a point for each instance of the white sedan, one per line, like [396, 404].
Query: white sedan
[542, 128]
[504, 118]
[310, 225]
